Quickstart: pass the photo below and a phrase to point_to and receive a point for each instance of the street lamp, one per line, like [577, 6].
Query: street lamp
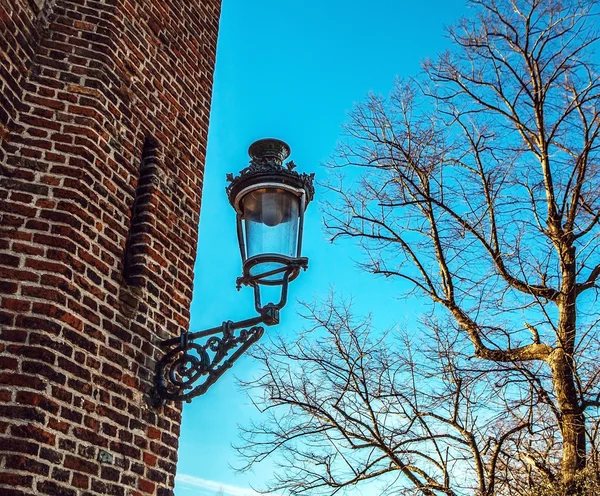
[270, 199]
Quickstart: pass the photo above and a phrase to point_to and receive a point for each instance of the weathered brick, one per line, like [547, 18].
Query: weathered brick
[8, 363]
[83, 87]
[31, 432]
[15, 480]
[21, 381]
[51, 455]
[150, 459]
[60, 474]
[20, 446]
[90, 437]
[53, 489]
[80, 481]
[81, 465]
[25, 464]
[37, 399]
[147, 486]
[41, 354]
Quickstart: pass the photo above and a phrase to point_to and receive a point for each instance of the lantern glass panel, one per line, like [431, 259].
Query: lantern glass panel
[271, 225]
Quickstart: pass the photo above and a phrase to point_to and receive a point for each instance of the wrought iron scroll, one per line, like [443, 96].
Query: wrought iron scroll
[188, 369]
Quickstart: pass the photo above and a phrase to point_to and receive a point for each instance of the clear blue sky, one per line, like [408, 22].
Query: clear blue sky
[290, 70]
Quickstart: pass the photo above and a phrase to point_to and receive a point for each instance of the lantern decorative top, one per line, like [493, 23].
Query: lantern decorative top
[269, 148]
[267, 165]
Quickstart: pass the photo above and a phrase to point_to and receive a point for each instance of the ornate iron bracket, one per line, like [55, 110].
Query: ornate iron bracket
[187, 362]
[188, 368]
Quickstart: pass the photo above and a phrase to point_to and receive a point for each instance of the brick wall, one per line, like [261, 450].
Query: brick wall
[104, 110]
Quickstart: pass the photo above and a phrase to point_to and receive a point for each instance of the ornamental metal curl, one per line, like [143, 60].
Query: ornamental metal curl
[187, 362]
[188, 368]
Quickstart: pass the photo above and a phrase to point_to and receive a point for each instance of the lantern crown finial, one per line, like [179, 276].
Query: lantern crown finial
[270, 150]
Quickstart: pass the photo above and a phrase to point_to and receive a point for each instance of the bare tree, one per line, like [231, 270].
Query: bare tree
[492, 212]
[345, 404]
[479, 186]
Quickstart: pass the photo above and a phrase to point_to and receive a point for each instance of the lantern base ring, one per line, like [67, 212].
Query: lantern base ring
[289, 266]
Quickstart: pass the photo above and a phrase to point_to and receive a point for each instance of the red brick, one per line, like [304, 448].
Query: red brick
[80, 481]
[45, 102]
[16, 480]
[80, 465]
[31, 432]
[150, 459]
[153, 433]
[60, 426]
[78, 340]
[37, 399]
[146, 486]
[23, 463]
[7, 362]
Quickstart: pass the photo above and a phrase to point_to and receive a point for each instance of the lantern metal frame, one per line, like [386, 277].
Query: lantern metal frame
[248, 263]
[187, 369]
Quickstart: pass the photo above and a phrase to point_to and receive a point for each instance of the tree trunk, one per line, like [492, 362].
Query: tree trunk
[572, 420]
[573, 458]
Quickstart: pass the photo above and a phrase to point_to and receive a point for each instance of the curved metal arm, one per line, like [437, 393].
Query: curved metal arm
[188, 368]
[187, 362]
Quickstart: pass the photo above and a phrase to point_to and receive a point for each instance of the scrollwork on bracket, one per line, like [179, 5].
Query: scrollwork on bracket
[187, 362]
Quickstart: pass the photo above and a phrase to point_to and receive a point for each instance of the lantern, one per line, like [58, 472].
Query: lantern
[270, 199]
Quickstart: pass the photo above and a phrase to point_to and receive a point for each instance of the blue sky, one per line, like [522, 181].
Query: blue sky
[290, 70]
